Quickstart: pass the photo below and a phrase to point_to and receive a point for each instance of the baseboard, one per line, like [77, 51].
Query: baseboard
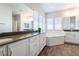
[71, 43]
[42, 50]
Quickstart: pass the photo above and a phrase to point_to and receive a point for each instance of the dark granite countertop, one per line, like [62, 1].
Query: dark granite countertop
[72, 30]
[14, 38]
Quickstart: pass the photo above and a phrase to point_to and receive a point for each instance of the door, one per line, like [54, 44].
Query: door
[76, 35]
[3, 51]
[34, 46]
[70, 36]
[20, 48]
[42, 41]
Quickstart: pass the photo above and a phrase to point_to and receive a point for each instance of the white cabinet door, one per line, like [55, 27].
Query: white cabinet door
[34, 46]
[42, 41]
[1, 48]
[3, 51]
[20, 48]
[70, 37]
[76, 35]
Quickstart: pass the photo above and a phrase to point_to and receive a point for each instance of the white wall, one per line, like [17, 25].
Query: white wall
[5, 18]
[36, 6]
[64, 13]
[6, 11]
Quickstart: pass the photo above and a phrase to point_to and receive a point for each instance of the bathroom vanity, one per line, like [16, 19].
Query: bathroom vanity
[29, 44]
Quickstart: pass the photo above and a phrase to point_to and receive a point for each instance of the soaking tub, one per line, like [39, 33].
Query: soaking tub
[55, 38]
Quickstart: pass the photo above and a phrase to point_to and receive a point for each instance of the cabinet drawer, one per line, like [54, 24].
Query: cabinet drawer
[34, 39]
[18, 42]
[20, 48]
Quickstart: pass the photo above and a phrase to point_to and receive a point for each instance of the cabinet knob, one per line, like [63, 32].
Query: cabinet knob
[3, 53]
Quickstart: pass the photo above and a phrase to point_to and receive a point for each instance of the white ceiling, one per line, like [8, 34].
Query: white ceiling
[44, 7]
[52, 7]
[18, 8]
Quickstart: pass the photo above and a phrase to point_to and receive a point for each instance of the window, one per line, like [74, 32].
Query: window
[54, 24]
[58, 23]
[43, 24]
[35, 20]
[49, 24]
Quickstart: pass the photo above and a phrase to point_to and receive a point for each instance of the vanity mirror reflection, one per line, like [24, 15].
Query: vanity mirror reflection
[22, 22]
[69, 23]
[15, 17]
[18, 17]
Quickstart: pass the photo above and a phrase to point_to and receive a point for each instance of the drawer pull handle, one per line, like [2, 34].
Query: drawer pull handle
[10, 51]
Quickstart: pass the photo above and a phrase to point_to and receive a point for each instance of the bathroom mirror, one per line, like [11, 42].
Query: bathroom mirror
[15, 17]
[69, 23]
[72, 22]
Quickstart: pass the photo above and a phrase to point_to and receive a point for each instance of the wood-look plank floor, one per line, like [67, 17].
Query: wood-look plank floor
[61, 50]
